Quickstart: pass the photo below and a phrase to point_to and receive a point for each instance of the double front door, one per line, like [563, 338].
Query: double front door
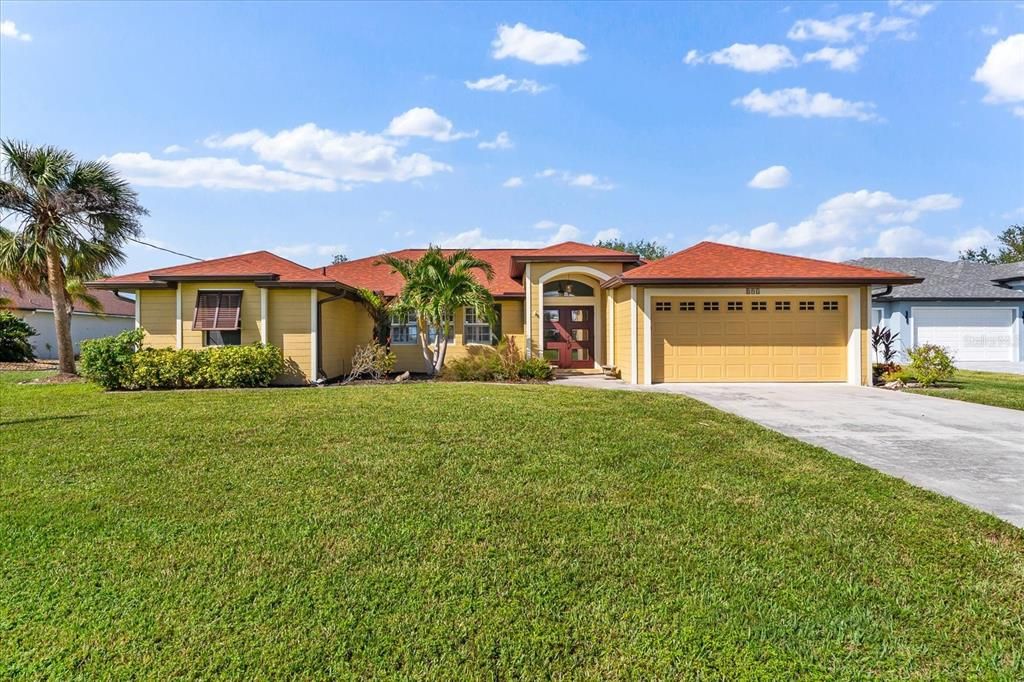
[569, 336]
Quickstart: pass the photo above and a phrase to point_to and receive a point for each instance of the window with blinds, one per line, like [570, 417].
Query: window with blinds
[218, 311]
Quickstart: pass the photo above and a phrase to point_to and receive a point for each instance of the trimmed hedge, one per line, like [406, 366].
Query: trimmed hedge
[118, 362]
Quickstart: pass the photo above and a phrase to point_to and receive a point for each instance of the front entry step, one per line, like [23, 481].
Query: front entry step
[559, 372]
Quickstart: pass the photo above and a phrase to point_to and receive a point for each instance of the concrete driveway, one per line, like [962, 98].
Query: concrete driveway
[973, 453]
[1004, 367]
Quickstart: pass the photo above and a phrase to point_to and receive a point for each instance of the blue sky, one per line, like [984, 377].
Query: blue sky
[310, 129]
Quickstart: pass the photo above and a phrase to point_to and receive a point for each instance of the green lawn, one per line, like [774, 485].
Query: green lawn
[467, 531]
[987, 388]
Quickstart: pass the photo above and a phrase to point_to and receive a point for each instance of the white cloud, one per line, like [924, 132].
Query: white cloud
[316, 253]
[989, 30]
[214, 173]
[838, 59]
[844, 28]
[773, 177]
[1003, 73]
[174, 149]
[9, 30]
[609, 234]
[587, 180]
[476, 239]
[425, 122]
[747, 57]
[912, 7]
[537, 47]
[502, 83]
[799, 102]
[349, 157]
[502, 141]
[843, 221]
[512, 182]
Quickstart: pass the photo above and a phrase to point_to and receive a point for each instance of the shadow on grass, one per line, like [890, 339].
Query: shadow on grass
[33, 420]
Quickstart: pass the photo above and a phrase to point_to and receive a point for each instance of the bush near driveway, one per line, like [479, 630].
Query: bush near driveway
[467, 531]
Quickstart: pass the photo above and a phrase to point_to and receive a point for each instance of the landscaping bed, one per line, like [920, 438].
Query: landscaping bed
[446, 530]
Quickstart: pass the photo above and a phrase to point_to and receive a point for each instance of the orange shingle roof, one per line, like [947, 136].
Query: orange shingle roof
[38, 300]
[364, 273]
[709, 262]
[244, 266]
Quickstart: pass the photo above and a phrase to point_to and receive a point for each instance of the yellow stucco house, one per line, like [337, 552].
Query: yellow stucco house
[711, 312]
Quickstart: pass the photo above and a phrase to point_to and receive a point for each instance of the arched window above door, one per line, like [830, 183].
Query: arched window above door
[567, 288]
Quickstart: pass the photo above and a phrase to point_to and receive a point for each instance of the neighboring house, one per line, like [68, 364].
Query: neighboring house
[973, 309]
[709, 313]
[36, 309]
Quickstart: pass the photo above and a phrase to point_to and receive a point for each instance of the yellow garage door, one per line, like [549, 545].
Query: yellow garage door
[800, 338]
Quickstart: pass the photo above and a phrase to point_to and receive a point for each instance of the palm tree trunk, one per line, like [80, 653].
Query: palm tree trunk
[61, 316]
[442, 350]
[428, 357]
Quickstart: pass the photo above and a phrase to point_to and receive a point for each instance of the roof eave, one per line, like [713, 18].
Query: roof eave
[130, 286]
[809, 281]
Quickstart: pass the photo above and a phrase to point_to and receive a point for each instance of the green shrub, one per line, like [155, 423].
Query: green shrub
[119, 362]
[249, 366]
[483, 364]
[110, 361]
[14, 335]
[930, 364]
[504, 363]
[536, 369]
[156, 368]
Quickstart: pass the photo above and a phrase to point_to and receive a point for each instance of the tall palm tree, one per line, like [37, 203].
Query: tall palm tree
[69, 217]
[435, 287]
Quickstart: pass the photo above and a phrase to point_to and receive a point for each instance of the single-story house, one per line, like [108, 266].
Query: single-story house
[973, 309]
[36, 309]
[709, 313]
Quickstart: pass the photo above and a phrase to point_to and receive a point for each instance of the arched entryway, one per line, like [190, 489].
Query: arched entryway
[571, 317]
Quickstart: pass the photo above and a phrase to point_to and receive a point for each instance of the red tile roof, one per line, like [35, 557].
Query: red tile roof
[255, 265]
[710, 262]
[37, 300]
[364, 273]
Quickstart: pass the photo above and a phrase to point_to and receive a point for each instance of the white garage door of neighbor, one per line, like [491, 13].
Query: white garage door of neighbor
[977, 334]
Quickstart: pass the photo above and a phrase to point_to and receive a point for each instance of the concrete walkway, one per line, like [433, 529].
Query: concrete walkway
[973, 453]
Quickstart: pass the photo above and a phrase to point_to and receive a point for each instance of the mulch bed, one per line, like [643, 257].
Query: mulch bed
[28, 366]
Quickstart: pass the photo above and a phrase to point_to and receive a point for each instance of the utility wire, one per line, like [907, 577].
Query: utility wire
[154, 246]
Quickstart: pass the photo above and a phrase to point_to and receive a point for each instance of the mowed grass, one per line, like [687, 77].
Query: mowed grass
[452, 531]
[987, 388]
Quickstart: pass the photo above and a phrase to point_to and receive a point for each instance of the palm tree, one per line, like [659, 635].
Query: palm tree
[72, 219]
[436, 286]
[380, 309]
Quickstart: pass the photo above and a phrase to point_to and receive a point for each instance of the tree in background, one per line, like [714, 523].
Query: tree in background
[339, 258]
[435, 287]
[1011, 251]
[71, 221]
[643, 248]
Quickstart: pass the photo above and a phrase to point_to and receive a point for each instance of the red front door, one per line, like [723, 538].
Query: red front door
[569, 336]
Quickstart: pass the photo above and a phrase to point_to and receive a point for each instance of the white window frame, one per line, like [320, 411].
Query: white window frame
[411, 327]
[479, 327]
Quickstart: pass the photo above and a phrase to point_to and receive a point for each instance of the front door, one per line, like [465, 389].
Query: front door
[569, 336]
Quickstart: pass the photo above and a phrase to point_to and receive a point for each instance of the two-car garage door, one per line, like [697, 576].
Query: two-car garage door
[973, 334]
[801, 338]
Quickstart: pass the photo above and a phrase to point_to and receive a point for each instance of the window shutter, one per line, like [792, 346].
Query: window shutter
[218, 311]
